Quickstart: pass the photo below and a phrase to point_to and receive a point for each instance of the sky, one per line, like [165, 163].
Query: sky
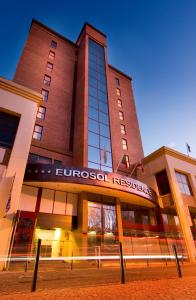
[153, 41]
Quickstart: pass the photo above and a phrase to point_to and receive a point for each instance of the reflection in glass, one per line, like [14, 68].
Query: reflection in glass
[99, 155]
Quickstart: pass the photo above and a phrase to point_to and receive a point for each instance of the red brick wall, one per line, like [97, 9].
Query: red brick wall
[135, 151]
[30, 72]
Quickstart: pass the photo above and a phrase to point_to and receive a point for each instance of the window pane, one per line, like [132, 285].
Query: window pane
[106, 159]
[93, 154]
[92, 91]
[53, 44]
[93, 126]
[93, 113]
[104, 130]
[103, 107]
[93, 139]
[103, 118]
[107, 169]
[93, 166]
[102, 96]
[93, 102]
[105, 143]
[92, 82]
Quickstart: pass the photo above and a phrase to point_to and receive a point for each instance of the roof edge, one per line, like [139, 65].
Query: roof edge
[115, 69]
[52, 31]
[168, 151]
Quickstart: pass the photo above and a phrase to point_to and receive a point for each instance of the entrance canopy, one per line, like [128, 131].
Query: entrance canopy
[77, 180]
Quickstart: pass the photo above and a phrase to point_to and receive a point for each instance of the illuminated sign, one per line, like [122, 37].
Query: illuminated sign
[87, 176]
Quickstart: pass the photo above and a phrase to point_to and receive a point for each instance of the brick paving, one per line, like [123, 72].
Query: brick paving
[154, 283]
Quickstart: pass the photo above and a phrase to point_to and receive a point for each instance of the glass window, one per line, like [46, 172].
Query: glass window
[93, 154]
[41, 112]
[121, 115]
[124, 144]
[93, 139]
[163, 183]
[106, 158]
[53, 44]
[8, 129]
[117, 81]
[102, 96]
[104, 130]
[105, 168]
[118, 92]
[45, 95]
[93, 82]
[93, 113]
[184, 184]
[103, 107]
[105, 143]
[93, 102]
[93, 126]
[92, 91]
[57, 163]
[49, 67]
[38, 159]
[51, 54]
[122, 129]
[93, 165]
[103, 118]
[119, 103]
[47, 80]
[37, 133]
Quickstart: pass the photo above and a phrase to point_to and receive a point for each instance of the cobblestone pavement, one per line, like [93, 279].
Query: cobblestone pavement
[142, 283]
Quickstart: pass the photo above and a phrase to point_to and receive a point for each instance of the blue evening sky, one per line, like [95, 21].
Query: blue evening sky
[154, 41]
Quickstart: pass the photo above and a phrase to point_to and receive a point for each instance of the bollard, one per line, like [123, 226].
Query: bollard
[26, 265]
[72, 261]
[122, 273]
[177, 262]
[33, 288]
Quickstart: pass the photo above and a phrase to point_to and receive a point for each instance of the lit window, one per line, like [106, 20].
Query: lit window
[122, 129]
[49, 67]
[117, 81]
[45, 95]
[118, 93]
[124, 144]
[53, 44]
[41, 112]
[184, 184]
[51, 55]
[47, 80]
[37, 133]
[119, 103]
[121, 115]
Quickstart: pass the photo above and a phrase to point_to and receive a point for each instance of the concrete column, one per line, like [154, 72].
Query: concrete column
[119, 220]
[151, 215]
[181, 211]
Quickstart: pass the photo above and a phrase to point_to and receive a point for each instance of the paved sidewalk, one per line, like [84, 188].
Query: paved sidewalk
[152, 283]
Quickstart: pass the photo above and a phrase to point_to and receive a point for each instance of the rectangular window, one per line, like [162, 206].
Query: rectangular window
[45, 95]
[38, 159]
[117, 81]
[119, 103]
[184, 184]
[122, 129]
[41, 112]
[8, 129]
[118, 92]
[125, 160]
[47, 80]
[53, 44]
[51, 55]
[121, 115]
[124, 144]
[163, 183]
[49, 67]
[37, 133]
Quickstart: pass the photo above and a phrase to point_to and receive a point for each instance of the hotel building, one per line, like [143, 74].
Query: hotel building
[87, 183]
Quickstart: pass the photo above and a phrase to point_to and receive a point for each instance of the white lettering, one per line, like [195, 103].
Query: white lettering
[59, 172]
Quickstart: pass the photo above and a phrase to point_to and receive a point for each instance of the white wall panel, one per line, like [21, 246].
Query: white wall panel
[28, 198]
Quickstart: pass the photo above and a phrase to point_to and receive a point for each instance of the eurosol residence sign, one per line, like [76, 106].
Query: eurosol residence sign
[50, 173]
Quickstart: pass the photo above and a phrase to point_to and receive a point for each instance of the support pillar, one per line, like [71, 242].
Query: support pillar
[119, 220]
